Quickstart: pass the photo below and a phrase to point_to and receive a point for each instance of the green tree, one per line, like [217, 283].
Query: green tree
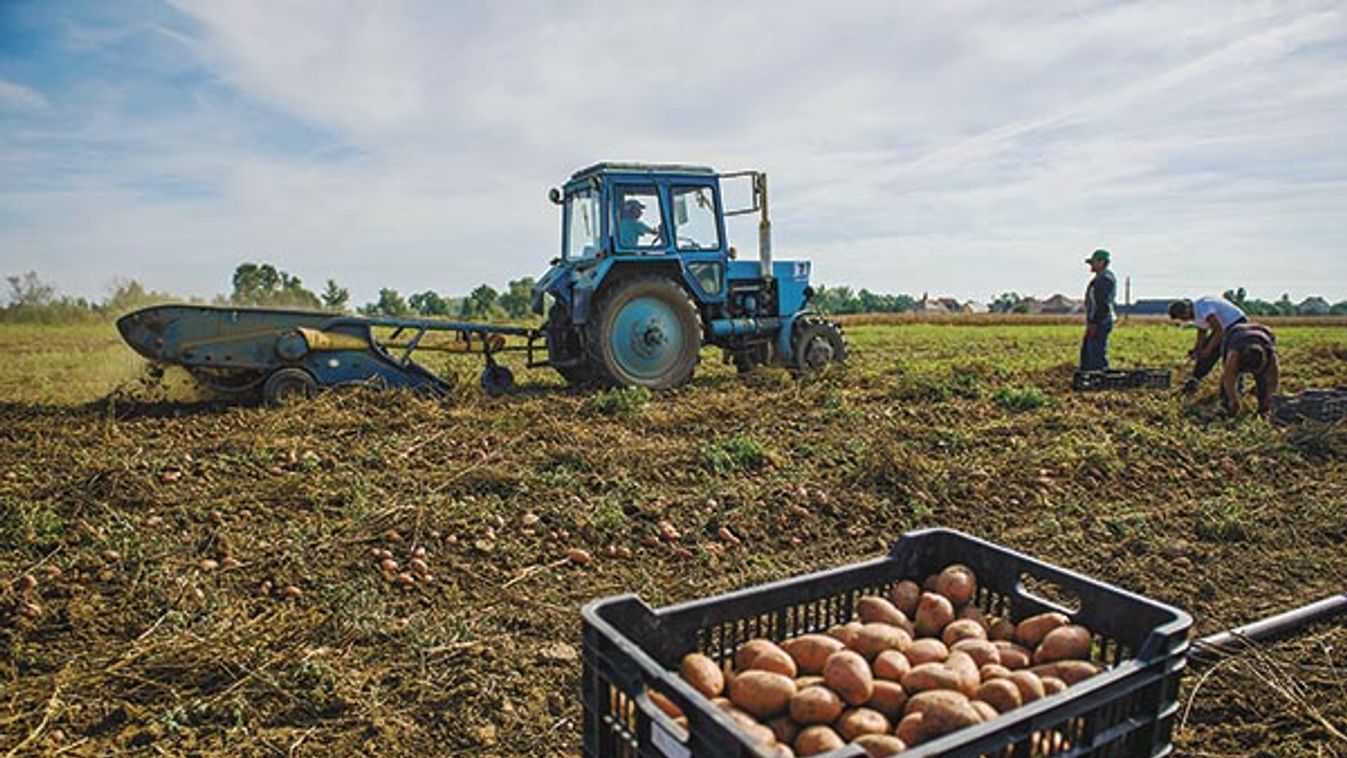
[334, 297]
[390, 303]
[29, 291]
[480, 303]
[1009, 302]
[1339, 309]
[264, 284]
[517, 298]
[429, 303]
[1284, 306]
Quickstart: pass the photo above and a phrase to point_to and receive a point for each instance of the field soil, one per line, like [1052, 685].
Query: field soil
[186, 577]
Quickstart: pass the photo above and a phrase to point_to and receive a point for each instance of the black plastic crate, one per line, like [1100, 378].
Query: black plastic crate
[1120, 379]
[1327, 406]
[1127, 710]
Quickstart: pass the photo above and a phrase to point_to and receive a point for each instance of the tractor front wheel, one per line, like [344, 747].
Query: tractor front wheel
[645, 332]
[817, 343]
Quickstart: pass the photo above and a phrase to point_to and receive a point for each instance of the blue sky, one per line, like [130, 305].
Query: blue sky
[956, 148]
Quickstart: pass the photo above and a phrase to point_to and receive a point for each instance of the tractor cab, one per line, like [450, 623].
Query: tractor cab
[650, 241]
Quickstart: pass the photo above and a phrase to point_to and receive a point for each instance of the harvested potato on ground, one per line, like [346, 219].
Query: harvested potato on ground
[1013, 656]
[880, 745]
[874, 609]
[904, 596]
[811, 651]
[703, 674]
[817, 739]
[1070, 642]
[776, 660]
[816, 705]
[1001, 694]
[934, 612]
[743, 657]
[763, 694]
[891, 665]
[982, 651]
[957, 583]
[962, 629]
[665, 704]
[846, 633]
[847, 673]
[1031, 687]
[1032, 630]
[926, 650]
[855, 722]
[888, 698]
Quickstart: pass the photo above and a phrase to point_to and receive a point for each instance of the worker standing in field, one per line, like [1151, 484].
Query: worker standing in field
[1099, 313]
[1213, 316]
[1249, 349]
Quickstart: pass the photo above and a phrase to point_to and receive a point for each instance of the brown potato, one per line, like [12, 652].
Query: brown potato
[958, 584]
[780, 750]
[904, 596]
[757, 732]
[926, 650]
[928, 584]
[776, 660]
[857, 721]
[874, 638]
[974, 613]
[888, 698]
[1001, 629]
[763, 694]
[962, 629]
[807, 681]
[846, 633]
[743, 657]
[880, 745]
[816, 705]
[1012, 656]
[891, 665]
[810, 651]
[992, 671]
[816, 739]
[1052, 685]
[931, 676]
[909, 729]
[1032, 630]
[1001, 694]
[847, 673]
[1071, 642]
[784, 728]
[703, 674]
[933, 613]
[875, 609]
[984, 710]
[982, 651]
[1070, 672]
[944, 716]
[966, 668]
[663, 703]
[1031, 687]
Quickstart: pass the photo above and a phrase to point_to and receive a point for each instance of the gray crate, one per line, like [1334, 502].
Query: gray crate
[1327, 406]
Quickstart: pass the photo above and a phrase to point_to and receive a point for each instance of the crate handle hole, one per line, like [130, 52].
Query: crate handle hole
[1050, 594]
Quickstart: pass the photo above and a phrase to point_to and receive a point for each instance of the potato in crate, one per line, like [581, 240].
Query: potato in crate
[948, 646]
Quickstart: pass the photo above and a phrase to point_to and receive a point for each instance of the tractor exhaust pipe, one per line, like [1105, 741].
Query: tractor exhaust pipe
[764, 225]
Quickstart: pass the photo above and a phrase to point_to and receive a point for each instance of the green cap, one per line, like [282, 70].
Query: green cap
[1099, 255]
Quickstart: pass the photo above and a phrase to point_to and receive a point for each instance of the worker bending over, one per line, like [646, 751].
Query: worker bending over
[1213, 317]
[1249, 349]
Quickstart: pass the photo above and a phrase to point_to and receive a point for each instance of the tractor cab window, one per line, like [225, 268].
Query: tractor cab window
[638, 218]
[694, 219]
[582, 221]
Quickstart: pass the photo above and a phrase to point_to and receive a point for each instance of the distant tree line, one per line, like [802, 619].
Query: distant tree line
[842, 300]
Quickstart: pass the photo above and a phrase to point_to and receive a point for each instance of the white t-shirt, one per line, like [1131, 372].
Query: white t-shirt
[1225, 311]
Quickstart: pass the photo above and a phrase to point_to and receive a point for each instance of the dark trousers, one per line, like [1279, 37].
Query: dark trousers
[1094, 350]
[1204, 365]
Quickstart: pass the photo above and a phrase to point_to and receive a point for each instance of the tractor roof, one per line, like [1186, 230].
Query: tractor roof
[608, 167]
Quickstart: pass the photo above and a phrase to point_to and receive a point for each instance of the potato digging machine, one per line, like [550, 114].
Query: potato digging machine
[645, 278]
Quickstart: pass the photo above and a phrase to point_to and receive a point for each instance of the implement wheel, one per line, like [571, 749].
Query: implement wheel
[288, 385]
[645, 333]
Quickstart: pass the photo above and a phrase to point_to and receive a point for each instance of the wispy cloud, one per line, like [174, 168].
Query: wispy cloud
[956, 147]
[17, 97]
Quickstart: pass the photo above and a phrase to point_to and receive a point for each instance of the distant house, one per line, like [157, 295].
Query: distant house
[1313, 306]
[1059, 304]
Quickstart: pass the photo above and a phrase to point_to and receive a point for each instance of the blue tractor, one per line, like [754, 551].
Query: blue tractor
[646, 277]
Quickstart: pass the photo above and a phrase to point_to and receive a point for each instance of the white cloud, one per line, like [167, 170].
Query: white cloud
[955, 148]
[14, 96]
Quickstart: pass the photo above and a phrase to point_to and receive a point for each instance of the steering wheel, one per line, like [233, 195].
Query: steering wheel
[689, 243]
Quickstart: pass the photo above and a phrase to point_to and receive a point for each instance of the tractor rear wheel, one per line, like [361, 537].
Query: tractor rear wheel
[288, 385]
[817, 343]
[645, 332]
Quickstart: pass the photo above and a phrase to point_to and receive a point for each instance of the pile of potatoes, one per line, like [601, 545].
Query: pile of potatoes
[916, 665]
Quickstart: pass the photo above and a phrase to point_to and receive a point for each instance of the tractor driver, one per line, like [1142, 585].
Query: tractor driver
[630, 228]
